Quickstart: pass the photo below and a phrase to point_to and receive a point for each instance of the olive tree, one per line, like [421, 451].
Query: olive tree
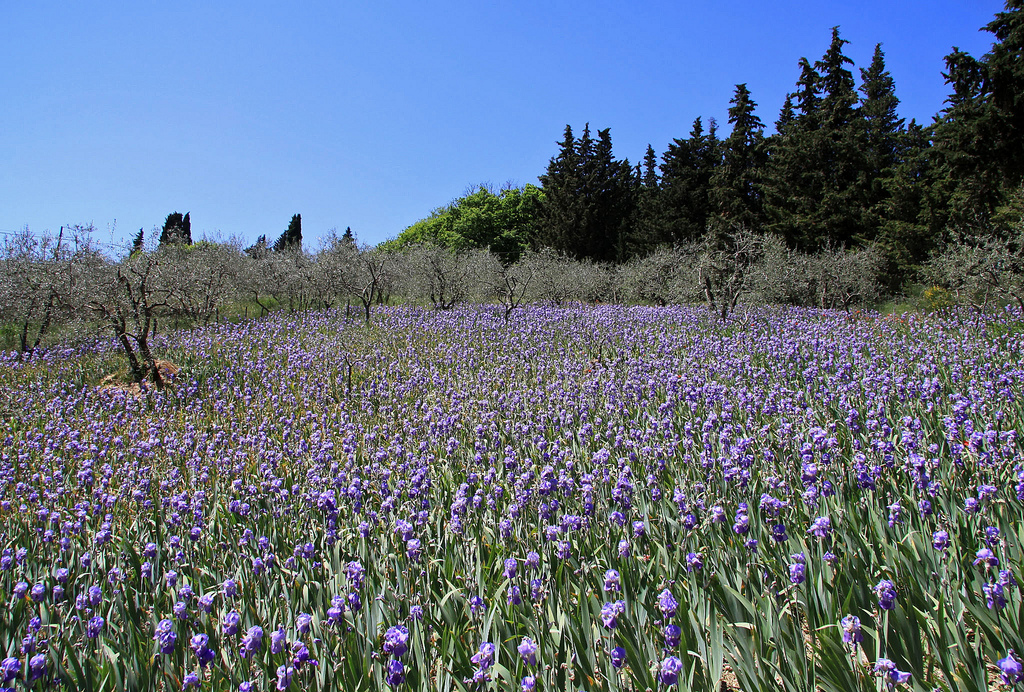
[441, 276]
[287, 276]
[42, 280]
[509, 284]
[128, 297]
[205, 276]
[832, 278]
[360, 273]
[724, 260]
[978, 271]
[845, 278]
[551, 276]
[665, 276]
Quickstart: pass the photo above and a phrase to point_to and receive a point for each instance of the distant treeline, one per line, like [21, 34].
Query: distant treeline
[841, 207]
[841, 170]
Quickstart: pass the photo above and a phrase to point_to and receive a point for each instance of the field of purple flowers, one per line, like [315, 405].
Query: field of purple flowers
[588, 498]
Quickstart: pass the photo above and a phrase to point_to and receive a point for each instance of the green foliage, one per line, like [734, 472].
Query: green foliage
[504, 222]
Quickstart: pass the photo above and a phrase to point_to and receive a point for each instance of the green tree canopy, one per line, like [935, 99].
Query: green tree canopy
[504, 222]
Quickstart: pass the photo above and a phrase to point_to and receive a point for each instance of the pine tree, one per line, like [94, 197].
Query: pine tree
[291, 239]
[735, 188]
[347, 236]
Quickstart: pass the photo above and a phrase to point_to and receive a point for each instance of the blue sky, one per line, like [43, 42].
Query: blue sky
[370, 114]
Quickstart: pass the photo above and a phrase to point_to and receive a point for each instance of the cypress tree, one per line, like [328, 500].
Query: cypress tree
[814, 184]
[787, 187]
[259, 249]
[1005, 87]
[808, 95]
[880, 140]
[177, 229]
[291, 239]
[186, 228]
[686, 171]
[837, 86]
[613, 200]
[903, 229]
[587, 198]
[649, 178]
[644, 234]
[840, 161]
[979, 137]
[881, 124]
[138, 243]
[561, 211]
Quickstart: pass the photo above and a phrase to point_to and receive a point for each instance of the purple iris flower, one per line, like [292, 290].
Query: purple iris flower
[667, 604]
[610, 613]
[887, 668]
[200, 645]
[95, 626]
[851, 630]
[284, 677]
[528, 650]
[396, 641]
[165, 636]
[1011, 670]
[10, 669]
[395, 673]
[670, 668]
[611, 581]
[231, 622]
[252, 642]
[886, 591]
[672, 635]
[484, 658]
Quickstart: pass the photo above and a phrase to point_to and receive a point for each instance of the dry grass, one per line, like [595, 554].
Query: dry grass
[116, 382]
